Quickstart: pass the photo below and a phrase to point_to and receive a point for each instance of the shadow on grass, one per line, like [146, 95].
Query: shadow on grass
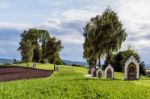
[145, 79]
[94, 79]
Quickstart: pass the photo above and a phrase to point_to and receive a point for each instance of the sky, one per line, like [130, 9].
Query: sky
[65, 20]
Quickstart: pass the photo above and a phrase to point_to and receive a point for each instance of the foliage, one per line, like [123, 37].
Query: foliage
[103, 35]
[53, 47]
[118, 60]
[26, 50]
[39, 41]
[90, 43]
[113, 34]
[142, 68]
[44, 61]
[59, 61]
[36, 37]
[37, 54]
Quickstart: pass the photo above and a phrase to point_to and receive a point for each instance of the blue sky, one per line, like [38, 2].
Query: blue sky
[65, 19]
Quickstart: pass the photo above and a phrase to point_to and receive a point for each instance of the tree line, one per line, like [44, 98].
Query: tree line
[38, 46]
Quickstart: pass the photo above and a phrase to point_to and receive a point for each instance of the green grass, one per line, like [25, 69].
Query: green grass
[38, 65]
[70, 83]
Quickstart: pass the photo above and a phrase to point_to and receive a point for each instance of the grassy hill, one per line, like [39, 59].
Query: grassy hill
[70, 83]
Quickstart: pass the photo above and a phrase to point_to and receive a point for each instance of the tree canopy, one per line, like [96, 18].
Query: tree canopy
[52, 49]
[103, 35]
[39, 46]
[26, 50]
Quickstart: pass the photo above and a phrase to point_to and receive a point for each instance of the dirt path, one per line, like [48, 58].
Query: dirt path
[8, 73]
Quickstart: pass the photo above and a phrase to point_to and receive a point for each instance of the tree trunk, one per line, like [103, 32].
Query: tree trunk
[54, 62]
[99, 63]
[27, 64]
[95, 63]
[94, 74]
[54, 66]
[109, 58]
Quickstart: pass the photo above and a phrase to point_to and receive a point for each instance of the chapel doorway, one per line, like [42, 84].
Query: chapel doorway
[132, 71]
[109, 73]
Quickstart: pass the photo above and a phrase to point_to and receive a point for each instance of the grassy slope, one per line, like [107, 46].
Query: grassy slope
[39, 65]
[69, 82]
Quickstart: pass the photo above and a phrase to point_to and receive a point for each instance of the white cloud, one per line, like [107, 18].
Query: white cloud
[4, 4]
[3, 51]
[70, 23]
[78, 15]
[74, 38]
[51, 23]
[136, 19]
[67, 24]
[8, 49]
[135, 14]
[135, 10]
[18, 26]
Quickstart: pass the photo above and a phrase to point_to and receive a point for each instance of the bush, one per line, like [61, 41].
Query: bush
[118, 60]
[44, 61]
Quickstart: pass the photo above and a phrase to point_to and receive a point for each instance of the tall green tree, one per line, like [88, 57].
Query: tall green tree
[26, 50]
[113, 34]
[32, 35]
[103, 35]
[43, 46]
[38, 39]
[91, 43]
[43, 39]
[53, 47]
[37, 56]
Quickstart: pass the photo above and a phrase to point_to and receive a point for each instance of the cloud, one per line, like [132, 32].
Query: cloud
[51, 23]
[74, 38]
[66, 19]
[18, 26]
[68, 26]
[78, 15]
[9, 39]
[9, 42]
[135, 17]
[5, 4]
[72, 52]
[63, 19]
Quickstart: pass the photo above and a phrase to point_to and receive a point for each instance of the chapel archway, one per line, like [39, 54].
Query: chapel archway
[109, 73]
[132, 71]
[99, 73]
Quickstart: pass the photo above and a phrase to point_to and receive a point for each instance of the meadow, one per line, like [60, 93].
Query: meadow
[70, 83]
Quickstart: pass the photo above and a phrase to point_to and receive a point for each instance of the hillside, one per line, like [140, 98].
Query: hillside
[3, 61]
[70, 82]
[67, 62]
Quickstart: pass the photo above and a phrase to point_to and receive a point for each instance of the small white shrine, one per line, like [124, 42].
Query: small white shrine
[93, 70]
[132, 69]
[109, 72]
[99, 73]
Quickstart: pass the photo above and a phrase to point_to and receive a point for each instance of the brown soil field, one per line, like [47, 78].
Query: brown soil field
[8, 73]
